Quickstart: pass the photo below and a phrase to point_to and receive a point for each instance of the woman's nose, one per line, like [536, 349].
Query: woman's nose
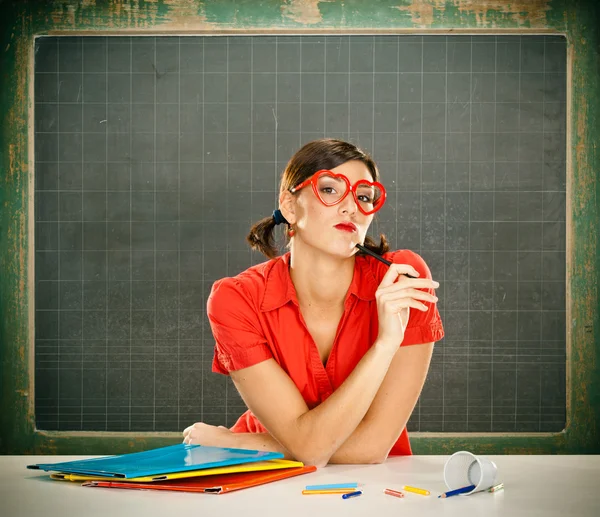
[348, 204]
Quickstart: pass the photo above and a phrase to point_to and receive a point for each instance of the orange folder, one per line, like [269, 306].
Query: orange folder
[217, 484]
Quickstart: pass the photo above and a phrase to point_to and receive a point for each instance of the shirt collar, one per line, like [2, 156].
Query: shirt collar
[279, 288]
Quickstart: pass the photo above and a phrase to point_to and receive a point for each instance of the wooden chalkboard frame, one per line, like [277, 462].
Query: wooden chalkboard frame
[23, 20]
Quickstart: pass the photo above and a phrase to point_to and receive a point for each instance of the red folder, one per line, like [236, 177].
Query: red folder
[218, 484]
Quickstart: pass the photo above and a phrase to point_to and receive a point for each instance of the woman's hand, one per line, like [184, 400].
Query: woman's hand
[208, 435]
[395, 296]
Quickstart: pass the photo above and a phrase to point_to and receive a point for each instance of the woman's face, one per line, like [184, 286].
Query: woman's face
[334, 229]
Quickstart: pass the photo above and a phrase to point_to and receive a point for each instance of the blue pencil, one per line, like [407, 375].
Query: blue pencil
[332, 486]
[457, 491]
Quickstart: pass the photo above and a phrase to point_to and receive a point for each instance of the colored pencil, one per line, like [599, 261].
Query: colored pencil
[416, 490]
[379, 257]
[395, 493]
[333, 491]
[457, 491]
[331, 486]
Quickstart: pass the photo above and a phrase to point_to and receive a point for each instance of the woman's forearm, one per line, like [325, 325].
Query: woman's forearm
[352, 451]
[326, 427]
[362, 447]
[347, 453]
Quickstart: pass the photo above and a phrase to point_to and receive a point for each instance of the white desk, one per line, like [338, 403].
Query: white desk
[543, 486]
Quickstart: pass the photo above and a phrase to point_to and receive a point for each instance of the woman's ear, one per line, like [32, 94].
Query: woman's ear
[287, 205]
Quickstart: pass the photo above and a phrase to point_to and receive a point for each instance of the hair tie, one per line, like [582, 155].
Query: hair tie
[278, 217]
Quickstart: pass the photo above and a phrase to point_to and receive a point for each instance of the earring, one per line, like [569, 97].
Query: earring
[291, 232]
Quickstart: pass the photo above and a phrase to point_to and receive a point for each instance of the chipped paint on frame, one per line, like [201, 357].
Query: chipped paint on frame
[486, 13]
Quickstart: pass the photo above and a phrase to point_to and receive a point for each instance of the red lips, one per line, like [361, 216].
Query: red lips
[348, 227]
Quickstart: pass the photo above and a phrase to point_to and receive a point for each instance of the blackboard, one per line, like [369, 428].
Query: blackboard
[154, 155]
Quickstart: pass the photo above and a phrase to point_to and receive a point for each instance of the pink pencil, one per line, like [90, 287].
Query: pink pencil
[395, 493]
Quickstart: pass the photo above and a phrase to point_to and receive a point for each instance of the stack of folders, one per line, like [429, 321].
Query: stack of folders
[181, 467]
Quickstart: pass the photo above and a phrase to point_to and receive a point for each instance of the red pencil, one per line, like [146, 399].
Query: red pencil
[395, 493]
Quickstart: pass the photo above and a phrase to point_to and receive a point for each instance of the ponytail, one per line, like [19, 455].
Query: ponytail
[261, 237]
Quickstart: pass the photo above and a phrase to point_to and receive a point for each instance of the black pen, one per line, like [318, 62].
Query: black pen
[379, 257]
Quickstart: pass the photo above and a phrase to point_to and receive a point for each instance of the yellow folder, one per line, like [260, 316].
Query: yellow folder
[245, 467]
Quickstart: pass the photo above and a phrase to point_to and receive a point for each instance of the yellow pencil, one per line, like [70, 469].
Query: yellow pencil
[416, 490]
[331, 491]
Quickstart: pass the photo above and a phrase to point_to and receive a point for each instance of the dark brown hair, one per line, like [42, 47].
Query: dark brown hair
[326, 153]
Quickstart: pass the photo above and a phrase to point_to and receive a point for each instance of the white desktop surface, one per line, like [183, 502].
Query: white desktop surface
[542, 486]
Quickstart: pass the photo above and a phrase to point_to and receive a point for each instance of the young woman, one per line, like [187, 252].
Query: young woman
[317, 341]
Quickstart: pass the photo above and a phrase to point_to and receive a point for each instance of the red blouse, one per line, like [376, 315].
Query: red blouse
[255, 316]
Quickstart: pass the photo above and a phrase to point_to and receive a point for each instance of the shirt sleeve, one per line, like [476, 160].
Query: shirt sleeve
[423, 326]
[239, 339]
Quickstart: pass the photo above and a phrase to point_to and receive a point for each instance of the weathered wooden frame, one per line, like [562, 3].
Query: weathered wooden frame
[23, 20]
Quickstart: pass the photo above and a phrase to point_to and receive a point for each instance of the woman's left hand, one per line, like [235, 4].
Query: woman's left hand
[208, 435]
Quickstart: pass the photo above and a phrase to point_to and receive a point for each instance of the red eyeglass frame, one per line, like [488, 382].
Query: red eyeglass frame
[351, 188]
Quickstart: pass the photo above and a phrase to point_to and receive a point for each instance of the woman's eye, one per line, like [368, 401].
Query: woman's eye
[328, 190]
[365, 199]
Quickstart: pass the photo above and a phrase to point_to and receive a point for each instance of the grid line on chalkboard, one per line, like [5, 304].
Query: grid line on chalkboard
[517, 264]
[494, 241]
[324, 88]
[525, 311]
[227, 185]
[469, 202]
[58, 230]
[541, 255]
[154, 246]
[300, 110]
[178, 233]
[82, 235]
[349, 83]
[130, 215]
[445, 204]
[373, 96]
[106, 280]
[203, 265]
[422, 97]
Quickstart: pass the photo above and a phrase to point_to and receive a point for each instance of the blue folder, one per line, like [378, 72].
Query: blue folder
[174, 458]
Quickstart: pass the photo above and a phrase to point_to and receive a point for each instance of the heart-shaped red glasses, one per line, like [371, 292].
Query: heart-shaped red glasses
[331, 189]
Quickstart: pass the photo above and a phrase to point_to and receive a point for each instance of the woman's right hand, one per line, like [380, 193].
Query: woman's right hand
[395, 296]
